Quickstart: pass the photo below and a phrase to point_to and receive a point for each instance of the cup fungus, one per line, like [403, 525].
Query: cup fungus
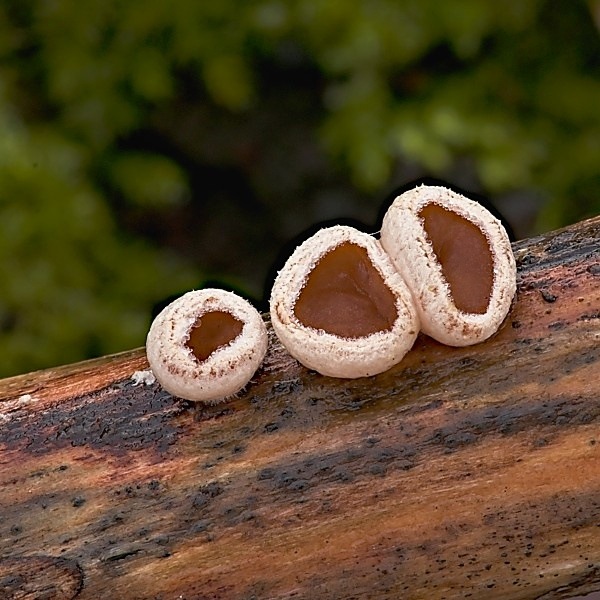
[206, 345]
[339, 306]
[456, 258]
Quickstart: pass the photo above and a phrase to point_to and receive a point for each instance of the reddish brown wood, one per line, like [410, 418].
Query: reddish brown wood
[461, 473]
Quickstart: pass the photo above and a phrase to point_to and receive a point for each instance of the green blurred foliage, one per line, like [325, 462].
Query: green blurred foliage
[72, 285]
[386, 85]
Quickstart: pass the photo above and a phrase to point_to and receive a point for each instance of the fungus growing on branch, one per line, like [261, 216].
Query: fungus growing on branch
[206, 345]
[339, 306]
[456, 258]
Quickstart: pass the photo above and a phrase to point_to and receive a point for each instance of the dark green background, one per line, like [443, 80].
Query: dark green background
[148, 146]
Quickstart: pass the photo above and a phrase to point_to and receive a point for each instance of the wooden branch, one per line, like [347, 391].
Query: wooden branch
[461, 473]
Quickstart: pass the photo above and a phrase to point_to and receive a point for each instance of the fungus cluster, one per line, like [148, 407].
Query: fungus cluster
[346, 304]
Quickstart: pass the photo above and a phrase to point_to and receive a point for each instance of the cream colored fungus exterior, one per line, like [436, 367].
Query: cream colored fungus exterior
[404, 239]
[227, 369]
[327, 353]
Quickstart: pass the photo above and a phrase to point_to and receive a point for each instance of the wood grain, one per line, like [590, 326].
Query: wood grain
[461, 473]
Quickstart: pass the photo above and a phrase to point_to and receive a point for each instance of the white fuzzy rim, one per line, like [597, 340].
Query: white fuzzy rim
[404, 238]
[227, 370]
[325, 352]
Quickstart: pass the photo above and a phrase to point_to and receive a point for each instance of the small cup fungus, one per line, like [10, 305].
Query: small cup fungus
[206, 345]
[339, 306]
[456, 258]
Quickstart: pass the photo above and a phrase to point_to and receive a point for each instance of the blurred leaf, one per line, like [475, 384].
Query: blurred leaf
[150, 75]
[149, 180]
[229, 81]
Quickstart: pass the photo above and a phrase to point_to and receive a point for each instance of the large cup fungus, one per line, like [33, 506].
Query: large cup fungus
[456, 258]
[339, 306]
[206, 345]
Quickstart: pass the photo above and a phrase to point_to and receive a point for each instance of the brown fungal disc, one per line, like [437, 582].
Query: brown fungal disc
[464, 254]
[211, 331]
[345, 295]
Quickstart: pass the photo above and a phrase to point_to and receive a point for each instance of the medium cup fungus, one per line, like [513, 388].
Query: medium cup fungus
[339, 306]
[206, 345]
[456, 258]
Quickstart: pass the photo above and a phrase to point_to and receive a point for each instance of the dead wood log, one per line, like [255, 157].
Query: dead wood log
[461, 473]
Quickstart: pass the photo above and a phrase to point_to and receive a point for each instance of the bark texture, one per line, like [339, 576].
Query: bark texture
[461, 473]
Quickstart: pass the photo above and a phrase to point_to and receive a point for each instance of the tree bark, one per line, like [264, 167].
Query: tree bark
[461, 473]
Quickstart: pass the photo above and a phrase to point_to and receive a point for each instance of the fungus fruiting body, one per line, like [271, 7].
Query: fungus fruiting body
[339, 306]
[456, 258]
[206, 345]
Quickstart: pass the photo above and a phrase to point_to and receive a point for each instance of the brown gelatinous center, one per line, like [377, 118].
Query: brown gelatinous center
[464, 255]
[345, 295]
[211, 331]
